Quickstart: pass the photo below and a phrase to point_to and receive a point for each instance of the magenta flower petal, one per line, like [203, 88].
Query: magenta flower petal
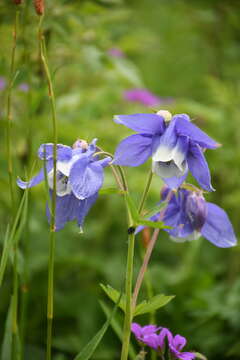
[142, 96]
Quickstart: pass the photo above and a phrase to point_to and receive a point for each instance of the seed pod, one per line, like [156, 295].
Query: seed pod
[39, 6]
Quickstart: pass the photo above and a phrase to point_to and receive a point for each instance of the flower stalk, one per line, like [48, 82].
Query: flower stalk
[128, 289]
[129, 272]
[145, 193]
[147, 257]
[50, 297]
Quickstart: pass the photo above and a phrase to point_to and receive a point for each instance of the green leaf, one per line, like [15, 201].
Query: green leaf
[139, 220]
[153, 304]
[89, 349]
[153, 224]
[132, 208]
[154, 210]
[199, 355]
[117, 327]
[114, 295]
[110, 190]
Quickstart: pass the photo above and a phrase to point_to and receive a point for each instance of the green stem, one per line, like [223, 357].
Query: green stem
[11, 186]
[129, 273]
[9, 109]
[145, 193]
[128, 311]
[147, 256]
[50, 294]
[15, 350]
[54, 196]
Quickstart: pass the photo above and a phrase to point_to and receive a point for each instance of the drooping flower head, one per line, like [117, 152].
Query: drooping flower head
[175, 144]
[79, 178]
[142, 96]
[190, 216]
[162, 340]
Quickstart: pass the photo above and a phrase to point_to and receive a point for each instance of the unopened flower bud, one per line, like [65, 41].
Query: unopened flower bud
[39, 6]
[165, 114]
[79, 143]
[196, 209]
[17, 2]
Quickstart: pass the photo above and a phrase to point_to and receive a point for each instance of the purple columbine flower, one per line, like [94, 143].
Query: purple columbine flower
[2, 83]
[79, 178]
[191, 216]
[175, 144]
[142, 96]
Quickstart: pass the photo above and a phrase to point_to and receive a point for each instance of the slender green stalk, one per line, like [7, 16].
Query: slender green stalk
[114, 171]
[145, 193]
[9, 110]
[147, 257]
[129, 270]
[53, 209]
[12, 78]
[128, 311]
[15, 350]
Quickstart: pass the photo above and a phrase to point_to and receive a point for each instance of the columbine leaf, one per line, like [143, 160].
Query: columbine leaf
[149, 213]
[153, 304]
[153, 224]
[89, 349]
[114, 295]
[139, 220]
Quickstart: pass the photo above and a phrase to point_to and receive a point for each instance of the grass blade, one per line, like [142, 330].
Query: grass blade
[7, 339]
[8, 241]
[117, 328]
[89, 349]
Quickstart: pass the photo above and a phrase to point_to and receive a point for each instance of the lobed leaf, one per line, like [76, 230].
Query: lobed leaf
[152, 304]
[114, 295]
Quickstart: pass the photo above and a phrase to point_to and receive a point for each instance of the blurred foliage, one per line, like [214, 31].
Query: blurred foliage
[186, 50]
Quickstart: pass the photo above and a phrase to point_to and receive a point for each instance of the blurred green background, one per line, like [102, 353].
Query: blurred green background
[186, 50]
